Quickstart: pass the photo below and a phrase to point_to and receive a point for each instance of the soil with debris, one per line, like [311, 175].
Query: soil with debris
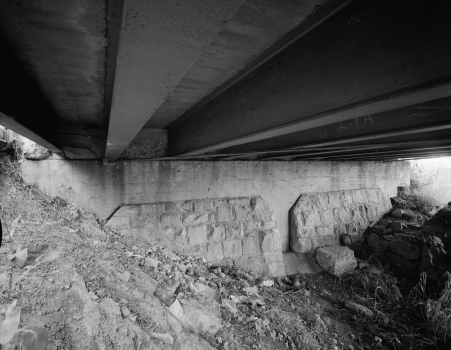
[107, 291]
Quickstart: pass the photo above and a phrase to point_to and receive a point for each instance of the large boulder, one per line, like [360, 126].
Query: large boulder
[336, 260]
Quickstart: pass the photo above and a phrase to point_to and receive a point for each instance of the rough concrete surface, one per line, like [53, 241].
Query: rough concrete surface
[149, 143]
[103, 189]
[319, 219]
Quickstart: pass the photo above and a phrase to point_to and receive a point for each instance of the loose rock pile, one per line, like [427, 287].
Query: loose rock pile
[401, 238]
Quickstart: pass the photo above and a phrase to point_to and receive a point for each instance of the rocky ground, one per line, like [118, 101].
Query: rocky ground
[107, 291]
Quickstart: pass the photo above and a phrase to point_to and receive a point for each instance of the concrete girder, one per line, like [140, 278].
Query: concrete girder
[159, 41]
[369, 58]
[419, 115]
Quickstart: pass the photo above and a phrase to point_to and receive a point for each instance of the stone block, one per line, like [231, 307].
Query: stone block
[346, 199]
[372, 196]
[182, 206]
[343, 214]
[251, 225]
[337, 260]
[198, 234]
[151, 221]
[327, 217]
[359, 197]
[302, 246]
[224, 214]
[340, 229]
[243, 213]
[234, 230]
[232, 248]
[363, 213]
[194, 219]
[145, 209]
[194, 250]
[378, 243]
[170, 220]
[406, 249]
[119, 223]
[331, 241]
[257, 264]
[251, 246]
[258, 205]
[203, 206]
[371, 213]
[216, 233]
[274, 257]
[270, 241]
[242, 201]
[300, 263]
[214, 252]
[128, 210]
[311, 218]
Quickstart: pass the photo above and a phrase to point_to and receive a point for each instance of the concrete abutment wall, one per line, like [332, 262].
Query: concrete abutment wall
[103, 189]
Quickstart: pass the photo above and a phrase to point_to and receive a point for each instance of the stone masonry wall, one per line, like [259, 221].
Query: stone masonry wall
[318, 219]
[103, 189]
[239, 230]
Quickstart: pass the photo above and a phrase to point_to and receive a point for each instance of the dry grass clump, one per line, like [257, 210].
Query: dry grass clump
[438, 313]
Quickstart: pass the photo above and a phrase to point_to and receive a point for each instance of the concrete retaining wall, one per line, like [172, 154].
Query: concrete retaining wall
[318, 219]
[241, 230]
[103, 189]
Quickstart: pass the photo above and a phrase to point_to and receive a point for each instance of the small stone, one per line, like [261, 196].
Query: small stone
[132, 317]
[182, 268]
[396, 226]
[151, 262]
[123, 301]
[164, 337]
[125, 311]
[201, 279]
[397, 212]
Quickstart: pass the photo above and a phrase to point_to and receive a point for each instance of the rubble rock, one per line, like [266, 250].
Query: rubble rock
[401, 261]
[336, 260]
[409, 214]
[397, 212]
[198, 316]
[396, 226]
[406, 249]
[378, 243]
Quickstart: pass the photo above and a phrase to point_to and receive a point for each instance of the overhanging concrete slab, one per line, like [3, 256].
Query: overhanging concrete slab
[369, 58]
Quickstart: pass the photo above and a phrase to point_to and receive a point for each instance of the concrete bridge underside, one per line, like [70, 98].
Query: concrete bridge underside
[230, 79]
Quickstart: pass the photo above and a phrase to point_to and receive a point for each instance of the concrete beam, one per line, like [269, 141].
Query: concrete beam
[23, 108]
[159, 41]
[369, 58]
[419, 115]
